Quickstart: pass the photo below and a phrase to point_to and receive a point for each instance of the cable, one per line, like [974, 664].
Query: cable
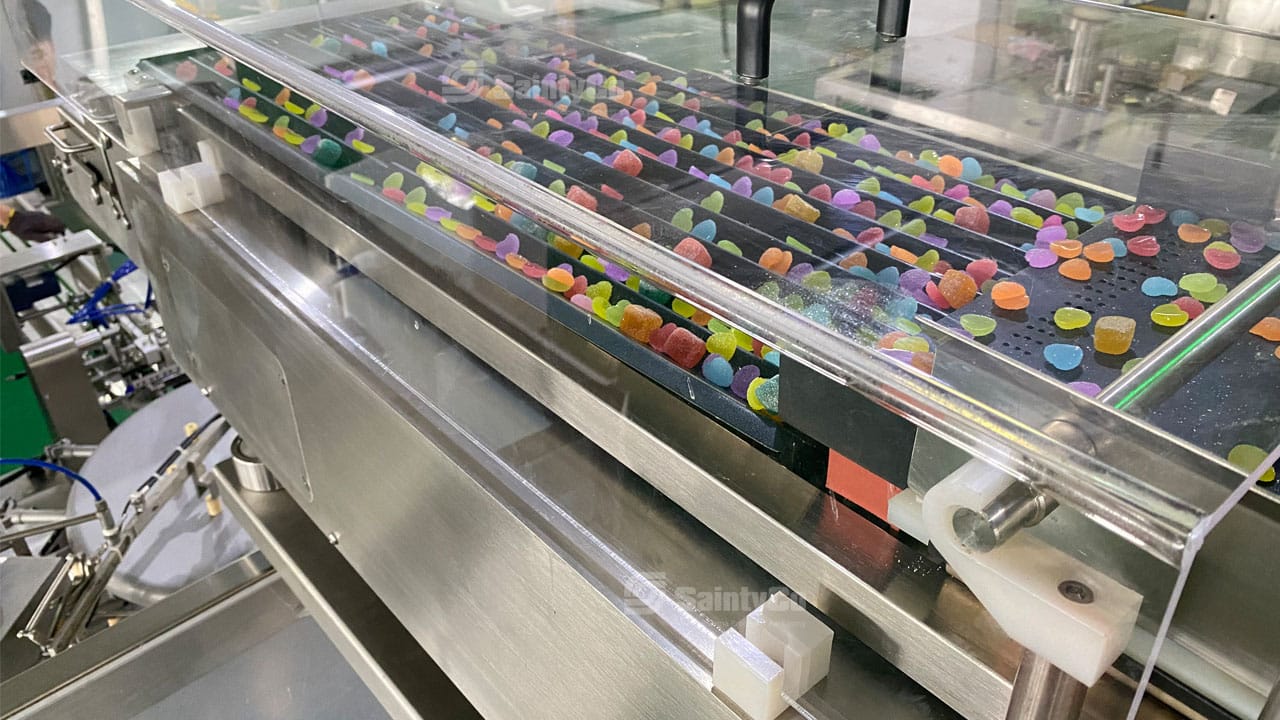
[32, 462]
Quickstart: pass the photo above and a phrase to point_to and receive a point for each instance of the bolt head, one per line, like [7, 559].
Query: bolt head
[1076, 591]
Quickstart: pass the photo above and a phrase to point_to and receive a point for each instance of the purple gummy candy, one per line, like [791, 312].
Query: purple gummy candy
[608, 159]
[921, 296]
[620, 116]
[521, 124]
[913, 279]
[903, 356]
[615, 272]
[553, 114]
[1085, 388]
[668, 157]
[549, 79]
[554, 63]
[812, 125]
[347, 38]
[436, 214]
[590, 124]
[799, 271]
[689, 121]
[1002, 182]
[1050, 234]
[1041, 258]
[332, 71]
[742, 380]
[561, 137]
[231, 103]
[468, 36]
[319, 118]
[694, 171]
[1043, 198]
[845, 199]
[309, 145]
[574, 118]
[506, 246]
[628, 74]
[348, 76]
[1000, 207]
[742, 186]
[934, 240]
[1053, 220]
[1247, 238]
[957, 192]
[354, 135]
[566, 267]
[869, 142]
[595, 79]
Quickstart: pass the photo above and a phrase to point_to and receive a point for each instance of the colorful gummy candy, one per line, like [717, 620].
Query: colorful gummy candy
[1070, 318]
[1009, 295]
[1062, 356]
[1268, 328]
[958, 287]
[1169, 315]
[639, 322]
[1247, 238]
[1191, 306]
[1113, 334]
[1144, 246]
[1076, 269]
[1221, 256]
[977, 325]
[1162, 287]
[1187, 232]
[1249, 458]
[1099, 252]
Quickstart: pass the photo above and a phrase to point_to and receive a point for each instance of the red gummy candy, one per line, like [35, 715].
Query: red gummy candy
[802, 140]
[980, 270]
[1150, 215]
[1144, 246]
[866, 209]
[1191, 306]
[1128, 223]
[871, 236]
[610, 192]
[931, 289]
[684, 348]
[733, 137]
[582, 197]
[821, 192]
[658, 339]
[628, 162]
[973, 218]
[692, 249]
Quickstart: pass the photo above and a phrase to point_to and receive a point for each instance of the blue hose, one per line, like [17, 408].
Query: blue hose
[31, 462]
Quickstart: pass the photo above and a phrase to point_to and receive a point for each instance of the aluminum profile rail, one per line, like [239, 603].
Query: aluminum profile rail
[1163, 523]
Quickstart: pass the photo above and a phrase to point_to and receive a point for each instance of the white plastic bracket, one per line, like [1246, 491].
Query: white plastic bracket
[1028, 586]
[193, 186]
[785, 653]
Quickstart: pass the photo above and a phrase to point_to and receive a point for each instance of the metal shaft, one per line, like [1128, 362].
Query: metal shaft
[1043, 692]
[891, 19]
[753, 39]
[1154, 378]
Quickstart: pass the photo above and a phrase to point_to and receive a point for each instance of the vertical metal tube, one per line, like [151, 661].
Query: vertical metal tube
[1043, 692]
[753, 40]
[891, 19]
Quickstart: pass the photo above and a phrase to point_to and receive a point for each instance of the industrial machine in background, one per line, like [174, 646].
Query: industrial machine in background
[519, 361]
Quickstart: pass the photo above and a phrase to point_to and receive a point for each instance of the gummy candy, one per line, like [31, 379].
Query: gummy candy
[685, 348]
[1212, 296]
[1066, 248]
[1051, 233]
[1009, 295]
[558, 280]
[982, 270]
[723, 343]
[1099, 252]
[795, 206]
[1063, 357]
[973, 218]
[742, 379]
[1249, 458]
[1085, 388]
[1144, 246]
[658, 338]
[1041, 258]
[1198, 282]
[1221, 256]
[717, 371]
[950, 165]
[1215, 226]
[776, 260]
[1150, 214]
[1161, 287]
[1024, 216]
[691, 249]
[1076, 269]
[1169, 315]
[958, 288]
[1113, 334]
[628, 162]
[1069, 318]
[1128, 223]
[977, 325]
[639, 322]
[1247, 238]
[1192, 307]
[1268, 328]
[1193, 233]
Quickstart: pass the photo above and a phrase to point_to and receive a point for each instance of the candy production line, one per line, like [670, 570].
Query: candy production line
[653, 360]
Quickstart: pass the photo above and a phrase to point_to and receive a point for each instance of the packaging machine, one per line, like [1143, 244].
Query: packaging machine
[923, 376]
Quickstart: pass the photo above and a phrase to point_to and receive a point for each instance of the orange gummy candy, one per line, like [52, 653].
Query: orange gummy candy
[1188, 232]
[857, 259]
[903, 254]
[776, 260]
[1268, 328]
[1100, 252]
[1076, 269]
[950, 165]
[958, 287]
[1009, 295]
[1067, 248]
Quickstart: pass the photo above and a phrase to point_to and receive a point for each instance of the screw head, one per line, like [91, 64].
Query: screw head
[1076, 591]
[333, 538]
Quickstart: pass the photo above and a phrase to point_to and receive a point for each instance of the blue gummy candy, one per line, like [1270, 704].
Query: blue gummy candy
[1088, 215]
[1183, 217]
[970, 169]
[705, 230]
[709, 150]
[1063, 357]
[1159, 287]
[717, 180]
[764, 196]
[377, 47]
[717, 370]
[888, 276]
[1118, 245]
[864, 273]
[889, 197]
[448, 121]
[772, 357]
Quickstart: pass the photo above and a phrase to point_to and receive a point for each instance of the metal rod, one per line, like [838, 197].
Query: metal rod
[1149, 517]
[1043, 692]
[753, 40]
[66, 522]
[891, 19]
[1150, 381]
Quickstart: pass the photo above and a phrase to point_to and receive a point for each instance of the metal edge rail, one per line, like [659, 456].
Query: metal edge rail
[1149, 517]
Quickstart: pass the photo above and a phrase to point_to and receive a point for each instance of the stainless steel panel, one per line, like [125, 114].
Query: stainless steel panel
[23, 127]
[49, 254]
[61, 382]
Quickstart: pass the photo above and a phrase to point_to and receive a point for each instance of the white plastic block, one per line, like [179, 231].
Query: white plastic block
[906, 512]
[203, 183]
[747, 677]
[209, 155]
[140, 131]
[174, 191]
[794, 639]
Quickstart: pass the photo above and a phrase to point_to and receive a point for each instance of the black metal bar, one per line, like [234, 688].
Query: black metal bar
[891, 18]
[753, 39]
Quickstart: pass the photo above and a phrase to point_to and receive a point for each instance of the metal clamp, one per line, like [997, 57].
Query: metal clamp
[51, 132]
